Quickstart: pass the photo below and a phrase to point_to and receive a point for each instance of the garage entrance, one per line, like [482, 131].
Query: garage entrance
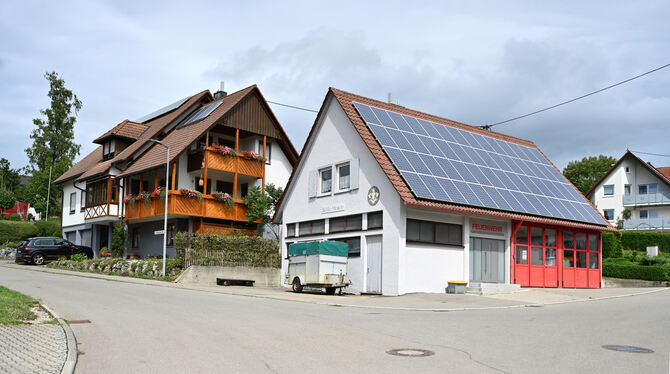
[487, 260]
[551, 257]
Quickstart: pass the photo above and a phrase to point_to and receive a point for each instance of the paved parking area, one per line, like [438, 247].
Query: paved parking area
[32, 349]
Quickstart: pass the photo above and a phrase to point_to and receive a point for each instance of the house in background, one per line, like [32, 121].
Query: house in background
[422, 200]
[204, 133]
[635, 185]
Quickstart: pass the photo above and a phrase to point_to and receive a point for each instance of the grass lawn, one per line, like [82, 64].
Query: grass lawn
[15, 306]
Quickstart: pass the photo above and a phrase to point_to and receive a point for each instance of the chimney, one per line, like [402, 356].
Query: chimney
[390, 98]
[220, 93]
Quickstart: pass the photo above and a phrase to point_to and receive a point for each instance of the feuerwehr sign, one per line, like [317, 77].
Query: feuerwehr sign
[489, 228]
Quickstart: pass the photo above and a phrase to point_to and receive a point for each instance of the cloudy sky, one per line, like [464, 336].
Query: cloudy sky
[474, 62]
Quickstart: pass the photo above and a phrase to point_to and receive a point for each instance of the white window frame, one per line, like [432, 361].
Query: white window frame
[605, 190]
[337, 168]
[646, 212]
[320, 181]
[73, 202]
[649, 188]
[268, 151]
[605, 214]
[627, 188]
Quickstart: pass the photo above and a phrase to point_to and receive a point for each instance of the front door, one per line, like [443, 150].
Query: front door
[487, 260]
[374, 265]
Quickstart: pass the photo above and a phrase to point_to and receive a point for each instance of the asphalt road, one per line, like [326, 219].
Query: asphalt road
[148, 329]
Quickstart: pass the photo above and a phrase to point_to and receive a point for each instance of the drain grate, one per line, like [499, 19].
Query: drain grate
[410, 352]
[627, 348]
[78, 321]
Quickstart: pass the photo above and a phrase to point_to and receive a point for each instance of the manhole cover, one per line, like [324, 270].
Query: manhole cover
[410, 352]
[78, 321]
[627, 348]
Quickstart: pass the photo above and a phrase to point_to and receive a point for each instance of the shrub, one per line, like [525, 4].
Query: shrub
[29, 217]
[16, 231]
[611, 244]
[78, 257]
[119, 235]
[14, 217]
[227, 250]
[48, 228]
[632, 271]
[639, 241]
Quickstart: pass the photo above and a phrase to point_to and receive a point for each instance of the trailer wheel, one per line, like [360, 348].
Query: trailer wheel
[330, 290]
[297, 287]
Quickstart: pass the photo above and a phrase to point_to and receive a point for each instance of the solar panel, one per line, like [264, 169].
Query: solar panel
[448, 164]
[201, 113]
[163, 110]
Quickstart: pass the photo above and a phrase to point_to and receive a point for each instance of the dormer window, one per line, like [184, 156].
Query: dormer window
[108, 150]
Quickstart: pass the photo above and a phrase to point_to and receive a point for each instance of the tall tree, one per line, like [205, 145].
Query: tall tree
[53, 149]
[7, 201]
[9, 178]
[586, 172]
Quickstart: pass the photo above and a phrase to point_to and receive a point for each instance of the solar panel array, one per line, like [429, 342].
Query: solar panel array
[447, 164]
[202, 113]
[163, 110]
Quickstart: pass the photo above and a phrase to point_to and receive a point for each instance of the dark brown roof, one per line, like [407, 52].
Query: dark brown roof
[157, 124]
[82, 166]
[126, 129]
[346, 100]
[181, 138]
[662, 175]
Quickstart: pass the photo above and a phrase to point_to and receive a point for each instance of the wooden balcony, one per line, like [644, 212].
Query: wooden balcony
[102, 210]
[185, 206]
[234, 164]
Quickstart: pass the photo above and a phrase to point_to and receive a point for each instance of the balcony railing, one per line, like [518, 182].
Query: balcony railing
[102, 210]
[647, 199]
[646, 224]
[234, 164]
[182, 205]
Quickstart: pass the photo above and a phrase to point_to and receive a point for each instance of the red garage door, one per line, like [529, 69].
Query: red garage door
[551, 257]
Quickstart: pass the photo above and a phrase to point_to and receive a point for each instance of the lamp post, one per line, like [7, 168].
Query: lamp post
[167, 179]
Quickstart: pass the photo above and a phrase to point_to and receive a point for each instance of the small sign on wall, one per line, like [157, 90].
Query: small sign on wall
[332, 208]
[488, 228]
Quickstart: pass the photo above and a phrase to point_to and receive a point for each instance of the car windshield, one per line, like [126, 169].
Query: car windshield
[24, 243]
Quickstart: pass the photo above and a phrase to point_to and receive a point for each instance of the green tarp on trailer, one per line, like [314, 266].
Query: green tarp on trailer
[326, 247]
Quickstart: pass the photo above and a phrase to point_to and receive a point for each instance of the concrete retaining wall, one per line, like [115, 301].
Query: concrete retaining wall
[631, 283]
[268, 277]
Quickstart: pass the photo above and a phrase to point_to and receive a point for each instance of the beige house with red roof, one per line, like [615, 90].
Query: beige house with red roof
[422, 200]
[220, 145]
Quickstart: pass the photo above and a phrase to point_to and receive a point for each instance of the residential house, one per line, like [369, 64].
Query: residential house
[637, 187]
[423, 200]
[218, 143]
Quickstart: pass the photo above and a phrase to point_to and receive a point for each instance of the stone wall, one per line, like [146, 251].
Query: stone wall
[266, 277]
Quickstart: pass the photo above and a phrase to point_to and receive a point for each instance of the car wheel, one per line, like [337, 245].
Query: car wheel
[330, 290]
[38, 259]
[297, 287]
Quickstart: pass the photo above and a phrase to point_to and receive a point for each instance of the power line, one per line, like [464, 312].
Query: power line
[293, 106]
[487, 127]
[653, 154]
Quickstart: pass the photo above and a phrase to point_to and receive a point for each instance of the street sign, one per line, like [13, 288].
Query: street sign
[159, 232]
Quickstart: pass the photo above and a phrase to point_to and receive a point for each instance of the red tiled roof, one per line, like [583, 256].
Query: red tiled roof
[126, 129]
[346, 100]
[180, 138]
[665, 171]
[82, 166]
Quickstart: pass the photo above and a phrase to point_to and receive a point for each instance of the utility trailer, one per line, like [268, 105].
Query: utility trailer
[318, 264]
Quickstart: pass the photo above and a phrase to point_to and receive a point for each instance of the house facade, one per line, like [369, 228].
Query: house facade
[395, 185]
[221, 146]
[637, 187]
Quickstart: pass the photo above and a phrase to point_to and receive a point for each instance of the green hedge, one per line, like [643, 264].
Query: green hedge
[14, 217]
[651, 273]
[639, 241]
[17, 231]
[612, 245]
[227, 250]
[48, 228]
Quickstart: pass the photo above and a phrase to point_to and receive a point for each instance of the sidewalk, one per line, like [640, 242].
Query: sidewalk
[414, 302]
[32, 349]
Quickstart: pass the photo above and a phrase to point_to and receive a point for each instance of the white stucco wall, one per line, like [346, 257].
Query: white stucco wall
[336, 140]
[78, 217]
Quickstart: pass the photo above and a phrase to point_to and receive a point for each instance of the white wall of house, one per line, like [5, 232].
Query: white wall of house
[78, 217]
[335, 141]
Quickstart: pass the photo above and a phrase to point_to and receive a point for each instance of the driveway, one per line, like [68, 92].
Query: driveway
[139, 328]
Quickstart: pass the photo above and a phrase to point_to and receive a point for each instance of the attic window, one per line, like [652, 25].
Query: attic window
[108, 150]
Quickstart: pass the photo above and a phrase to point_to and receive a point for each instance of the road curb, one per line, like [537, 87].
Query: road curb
[114, 278]
[72, 355]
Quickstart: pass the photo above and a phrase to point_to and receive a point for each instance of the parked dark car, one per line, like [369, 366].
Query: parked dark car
[38, 251]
